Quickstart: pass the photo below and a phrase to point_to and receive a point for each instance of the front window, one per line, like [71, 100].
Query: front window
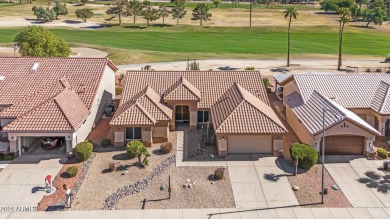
[133, 133]
[203, 116]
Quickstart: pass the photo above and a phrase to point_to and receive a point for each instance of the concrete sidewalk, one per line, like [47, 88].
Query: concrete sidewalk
[282, 213]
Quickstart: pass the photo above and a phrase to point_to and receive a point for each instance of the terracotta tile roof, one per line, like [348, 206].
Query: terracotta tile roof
[211, 84]
[20, 81]
[65, 112]
[182, 90]
[236, 98]
[238, 111]
[146, 109]
[72, 107]
[43, 99]
[310, 113]
[350, 90]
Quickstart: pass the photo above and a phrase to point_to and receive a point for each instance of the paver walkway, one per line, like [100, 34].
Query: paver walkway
[277, 213]
[23, 180]
[360, 180]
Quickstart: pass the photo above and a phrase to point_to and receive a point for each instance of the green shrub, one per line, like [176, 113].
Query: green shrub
[250, 68]
[72, 171]
[219, 173]
[83, 150]
[166, 147]
[388, 144]
[132, 148]
[9, 156]
[2, 156]
[382, 153]
[307, 155]
[105, 142]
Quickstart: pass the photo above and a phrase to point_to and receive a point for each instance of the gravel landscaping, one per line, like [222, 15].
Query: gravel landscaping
[100, 182]
[192, 140]
[202, 194]
[309, 184]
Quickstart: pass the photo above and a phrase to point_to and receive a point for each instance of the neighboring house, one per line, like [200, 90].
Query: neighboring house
[235, 104]
[59, 97]
[361, 103]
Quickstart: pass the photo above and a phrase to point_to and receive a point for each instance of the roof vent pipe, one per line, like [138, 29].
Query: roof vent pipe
[34, 66]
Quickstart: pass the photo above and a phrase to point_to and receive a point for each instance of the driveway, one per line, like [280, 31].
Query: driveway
[21, 182]
[260, 184]
[360, 180]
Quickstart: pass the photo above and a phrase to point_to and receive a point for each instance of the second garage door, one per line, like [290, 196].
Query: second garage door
[250, 144]
[344, 145]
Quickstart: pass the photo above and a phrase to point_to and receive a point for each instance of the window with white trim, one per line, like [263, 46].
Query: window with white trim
[132, 133]
[203, 116]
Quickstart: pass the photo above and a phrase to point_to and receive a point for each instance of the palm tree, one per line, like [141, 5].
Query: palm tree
[290, 12]
[345, 16]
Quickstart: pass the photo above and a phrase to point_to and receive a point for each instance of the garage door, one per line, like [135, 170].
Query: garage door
[250, 144]
[344, 145]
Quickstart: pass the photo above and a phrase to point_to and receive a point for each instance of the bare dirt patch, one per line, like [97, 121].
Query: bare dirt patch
[203, 194]
[309, 184]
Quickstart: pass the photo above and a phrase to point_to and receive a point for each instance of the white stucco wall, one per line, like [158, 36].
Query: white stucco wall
[106, 84]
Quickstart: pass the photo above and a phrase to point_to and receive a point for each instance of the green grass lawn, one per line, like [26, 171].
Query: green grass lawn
[195, 41]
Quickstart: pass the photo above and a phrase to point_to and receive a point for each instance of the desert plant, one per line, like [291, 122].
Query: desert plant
[219, 173]
[72, 171]
[306, 154]
[388, 144]
[137, 149]
[83, 150]
[250, 68]
[105, 142]
[382, 153]
[166, 147]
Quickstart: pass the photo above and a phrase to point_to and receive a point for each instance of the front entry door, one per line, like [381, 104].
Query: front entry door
[182, 113]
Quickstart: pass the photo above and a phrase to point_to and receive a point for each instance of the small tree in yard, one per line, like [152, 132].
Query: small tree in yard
[134, 9]
[305, 156]
[201, 12]
[137, 149]
[37, 41]
[163, 12]
[149, 13]
[60, 9]
[178, 12]
[84, 13]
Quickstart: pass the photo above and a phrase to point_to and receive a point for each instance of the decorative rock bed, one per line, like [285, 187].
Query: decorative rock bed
[202, 144]
[139, 186]
[60, 206]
